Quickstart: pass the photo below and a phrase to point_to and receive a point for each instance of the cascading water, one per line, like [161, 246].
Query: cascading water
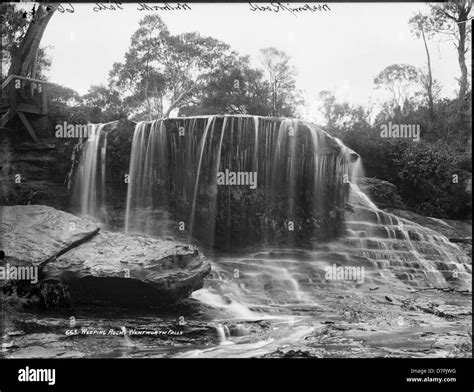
[411, 252]
[148, 171]
[296, 172]
[302, 173]
[223, 333]
[273, 290]
[89, 182]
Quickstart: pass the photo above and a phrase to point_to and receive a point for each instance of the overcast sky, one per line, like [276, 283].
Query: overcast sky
[341, 50]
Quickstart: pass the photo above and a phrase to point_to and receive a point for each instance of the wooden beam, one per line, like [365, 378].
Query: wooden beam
[12, 97]
[9, 79]
[44, 100]
[6, 117]
[28, 108]
[28, 126]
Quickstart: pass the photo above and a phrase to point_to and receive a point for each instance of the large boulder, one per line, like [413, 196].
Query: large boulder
[99, 267]
[130, 269]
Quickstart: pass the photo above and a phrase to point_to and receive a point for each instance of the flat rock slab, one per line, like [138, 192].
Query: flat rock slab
[130, 269]
[33, 234]
[99, 266]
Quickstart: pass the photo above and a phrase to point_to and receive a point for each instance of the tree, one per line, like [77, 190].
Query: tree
[190, 60]
[25, 37]
[341, 117]
[453, 19]
[14, 27]
[418, 25]
[163, 72]
[328, 102]
[105, 104]
[235, 88]
[398, 79]
[138, 80]
[281, 76]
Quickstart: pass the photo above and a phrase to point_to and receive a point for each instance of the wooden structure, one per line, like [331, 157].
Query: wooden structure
[23, 96]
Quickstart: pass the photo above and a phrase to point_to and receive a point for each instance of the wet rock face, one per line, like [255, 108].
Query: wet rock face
[383, 193]
[38, 173]
[92, 266]
[34, 173]
[238, 180]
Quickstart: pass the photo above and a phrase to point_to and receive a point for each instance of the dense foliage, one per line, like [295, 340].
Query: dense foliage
[433, 175]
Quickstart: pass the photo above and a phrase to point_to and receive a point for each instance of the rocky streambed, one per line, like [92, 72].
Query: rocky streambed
[107, 294]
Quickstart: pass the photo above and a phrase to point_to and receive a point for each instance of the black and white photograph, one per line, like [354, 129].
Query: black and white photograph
[236, 180]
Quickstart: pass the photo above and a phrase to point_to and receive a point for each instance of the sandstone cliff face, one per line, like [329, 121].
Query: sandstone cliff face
[42, 172]
[34, 172]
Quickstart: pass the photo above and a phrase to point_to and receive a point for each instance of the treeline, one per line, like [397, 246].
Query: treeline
[166, 75]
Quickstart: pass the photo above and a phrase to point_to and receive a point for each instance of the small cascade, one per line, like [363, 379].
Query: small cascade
[246, 286]
[128, 342]
[404, 249]
[89, 183]
[223, 333]
[103, 163]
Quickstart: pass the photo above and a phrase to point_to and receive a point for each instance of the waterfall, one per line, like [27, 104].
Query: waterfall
[89, 183]
[223, 333]
[175, 163]
[210, 121]
[148, 171]
[412, 252]
[303, 177]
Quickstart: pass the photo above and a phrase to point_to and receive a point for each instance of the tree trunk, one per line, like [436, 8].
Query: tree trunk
[429, 86]
[464, 9]
[177, 101]
[461, 56]
[26, 55]
[168, 111]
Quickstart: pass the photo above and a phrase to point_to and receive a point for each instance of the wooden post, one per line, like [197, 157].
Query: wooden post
[13, 94]
[28, 126]
[44, 99]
